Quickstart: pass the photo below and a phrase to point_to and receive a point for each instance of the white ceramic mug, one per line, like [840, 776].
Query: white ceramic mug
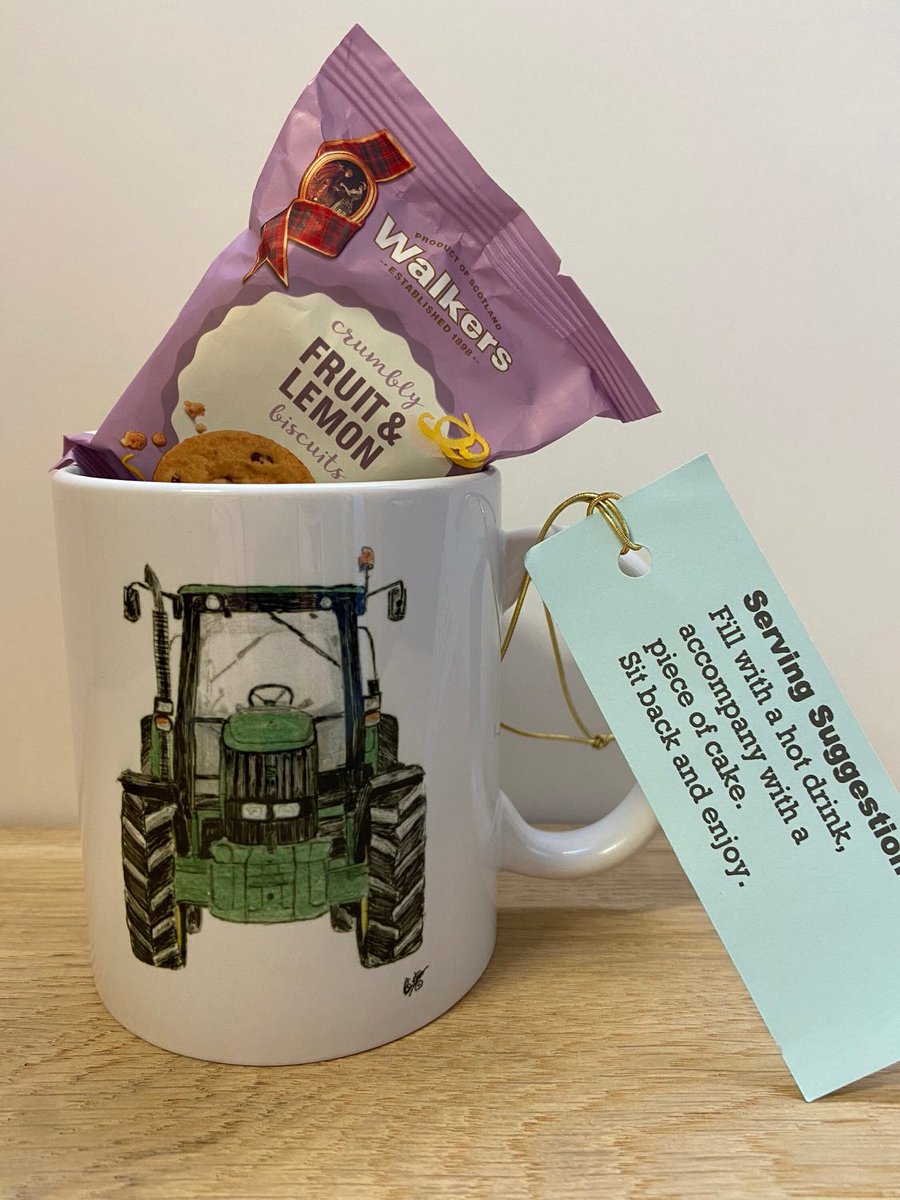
[287, 738]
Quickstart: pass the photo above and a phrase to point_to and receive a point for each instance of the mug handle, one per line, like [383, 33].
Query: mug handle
[567, 853]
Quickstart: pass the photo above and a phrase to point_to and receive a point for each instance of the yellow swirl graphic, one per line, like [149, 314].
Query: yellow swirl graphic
[460, 450]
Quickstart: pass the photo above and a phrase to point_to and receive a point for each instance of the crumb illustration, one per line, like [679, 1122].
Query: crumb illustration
[200, 427]
[194, 410]
[133, 439]
[158, 439]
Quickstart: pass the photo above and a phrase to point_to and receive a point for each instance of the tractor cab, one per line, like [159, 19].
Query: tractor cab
[271, 707]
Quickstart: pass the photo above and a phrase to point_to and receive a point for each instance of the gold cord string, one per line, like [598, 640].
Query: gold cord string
[604, 503]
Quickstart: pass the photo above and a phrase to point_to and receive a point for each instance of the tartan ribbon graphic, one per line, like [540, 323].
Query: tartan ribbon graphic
[308, 222]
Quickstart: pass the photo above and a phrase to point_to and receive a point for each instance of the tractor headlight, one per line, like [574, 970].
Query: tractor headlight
[372, 709]
[286, 810]
[254, 812]
[163, 722]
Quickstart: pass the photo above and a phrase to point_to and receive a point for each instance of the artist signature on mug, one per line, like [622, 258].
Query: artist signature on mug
[414, 982]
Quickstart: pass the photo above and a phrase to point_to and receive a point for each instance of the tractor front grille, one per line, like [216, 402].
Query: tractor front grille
[270, 779]
[275, 778]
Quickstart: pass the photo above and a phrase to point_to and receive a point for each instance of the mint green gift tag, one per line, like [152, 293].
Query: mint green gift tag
[776, 804]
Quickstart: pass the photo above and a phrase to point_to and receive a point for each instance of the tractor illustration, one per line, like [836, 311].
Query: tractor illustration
[271, 791]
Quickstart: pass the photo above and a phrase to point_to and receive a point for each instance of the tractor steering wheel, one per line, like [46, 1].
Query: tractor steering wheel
[256, 700]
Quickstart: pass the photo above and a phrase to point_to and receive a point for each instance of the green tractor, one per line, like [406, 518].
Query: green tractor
[271, 792]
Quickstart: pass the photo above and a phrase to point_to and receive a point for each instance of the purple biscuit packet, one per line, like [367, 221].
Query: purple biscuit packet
[389, 313]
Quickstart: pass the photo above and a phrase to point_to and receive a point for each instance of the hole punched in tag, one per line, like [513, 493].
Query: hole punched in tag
[605, 504]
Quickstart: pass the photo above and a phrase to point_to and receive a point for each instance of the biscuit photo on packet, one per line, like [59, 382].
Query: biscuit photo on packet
[388, 313]
[230, 456]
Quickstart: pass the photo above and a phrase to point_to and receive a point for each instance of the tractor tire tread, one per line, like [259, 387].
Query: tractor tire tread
[396, 857]
[148, 858]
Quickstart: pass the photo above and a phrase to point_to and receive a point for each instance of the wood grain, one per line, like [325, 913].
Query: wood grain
[610, 1050]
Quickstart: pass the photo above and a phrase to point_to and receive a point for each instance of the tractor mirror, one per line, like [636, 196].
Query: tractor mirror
[177, 605]
[396, 601]
[131, 602]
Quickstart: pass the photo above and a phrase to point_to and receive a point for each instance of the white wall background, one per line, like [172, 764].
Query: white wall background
[737, 229]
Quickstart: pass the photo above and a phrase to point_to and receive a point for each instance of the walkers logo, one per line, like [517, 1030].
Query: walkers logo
[336, 194]
[442, 290]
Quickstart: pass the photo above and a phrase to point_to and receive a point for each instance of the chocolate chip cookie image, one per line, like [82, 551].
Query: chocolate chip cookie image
[230, 456]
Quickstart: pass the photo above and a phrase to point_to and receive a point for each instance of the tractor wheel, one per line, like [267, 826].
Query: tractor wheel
[343, 917]
[193, 917]
[391, 917]
[157, 924]
[388, 741]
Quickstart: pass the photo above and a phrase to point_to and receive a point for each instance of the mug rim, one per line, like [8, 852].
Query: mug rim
[71, 475]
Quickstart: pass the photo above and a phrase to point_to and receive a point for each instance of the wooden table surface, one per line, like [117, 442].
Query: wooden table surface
[609, 1050]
